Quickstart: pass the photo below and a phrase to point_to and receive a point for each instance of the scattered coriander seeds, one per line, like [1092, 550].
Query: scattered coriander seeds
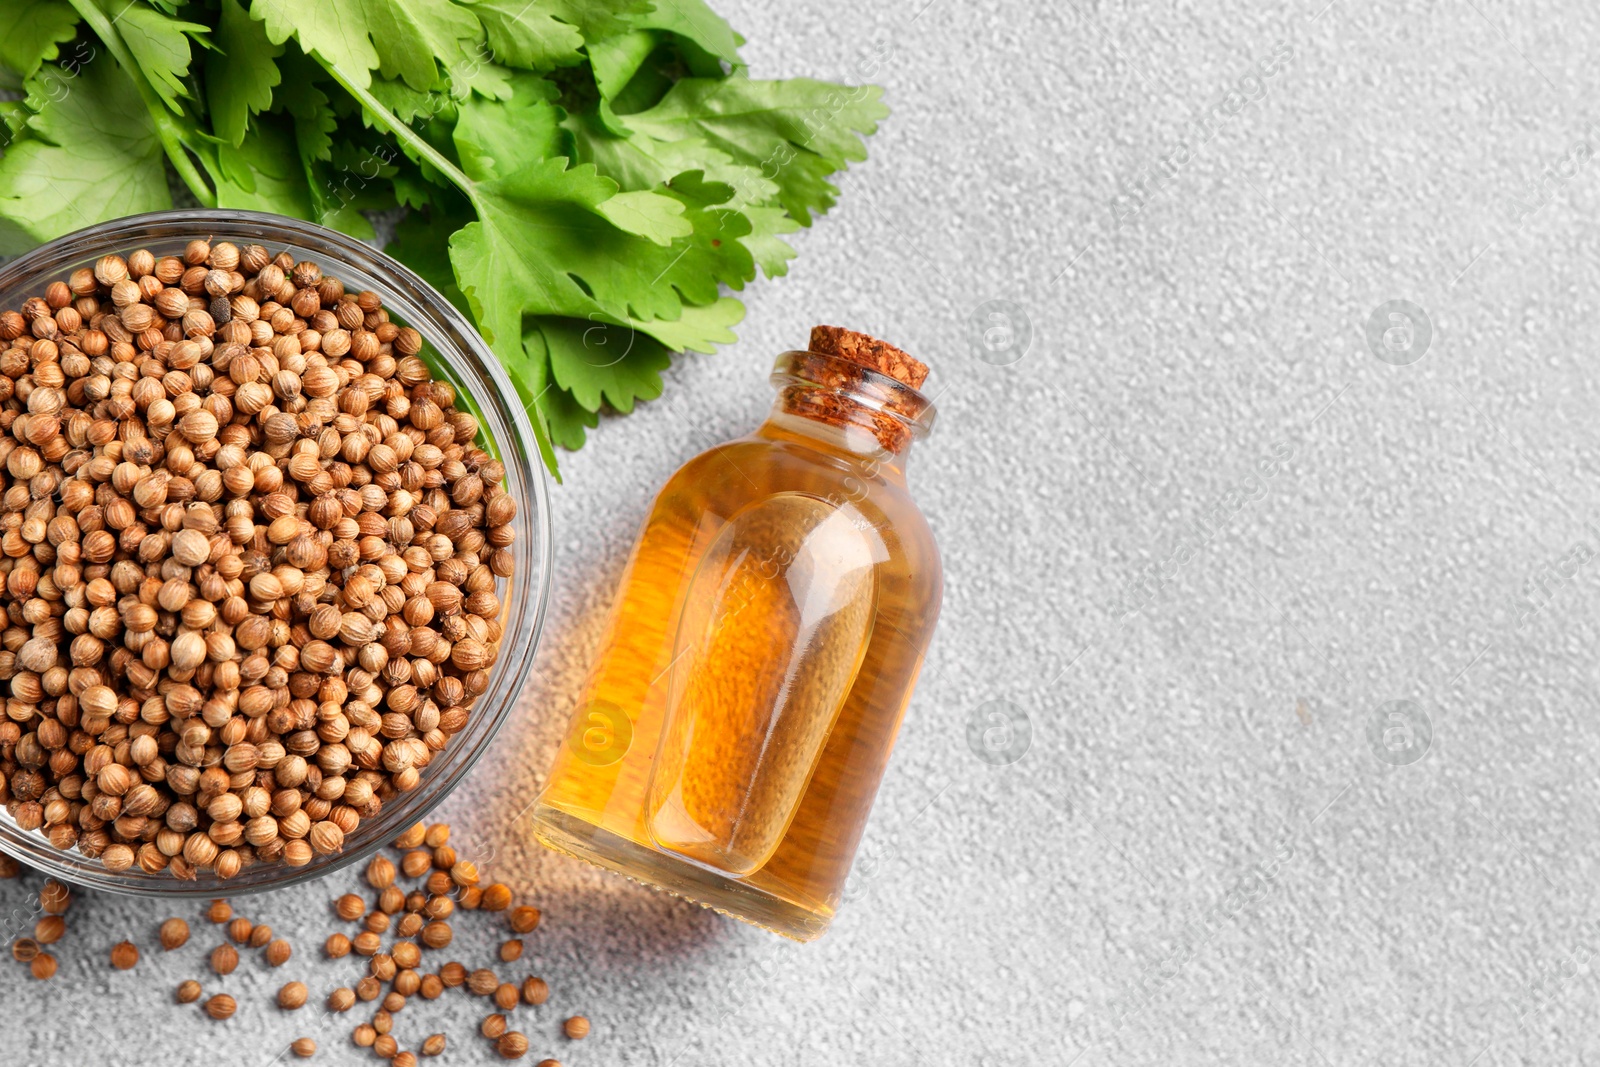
[411, 838]
[366, 943]
[188, 991]
[24, 950]
[403, 1059]
[54, 897]
[219, 912]
[410, 925]
[377, 922]
[431, 987]
[524, 919]
[576, 1027]
[506, 996]
[240, 929]
[493, 1026]
[224, 958]
[453, 974]
[341, 999]
[511, 950]
[49, 929]
[391, 900]
[470, 898]
[482, 982]
[43, 966]
[292, 996]
[236, 486]
[394, 1001]
[549, 1063]
[304, 1047]
[535, 991]
[512, 1045]
[437, 935]
[261, 936]
[124, 954]
[382, 1021]
[380, 872]
[337, 946]
[407, 982]
[278, 953]
[433, 1045]
[416, 864]
[406, 954]
[351, 907]
[496, 897]
[368, 988]
[364, 1035]
[174, 934]
[221, 1006]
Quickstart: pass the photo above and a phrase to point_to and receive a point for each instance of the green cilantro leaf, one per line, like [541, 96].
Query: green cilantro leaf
[91, 154]
[798, 131]
[400, 38]
[31, 32]
[240, 72]
[159, 44]
[596, 360]
[262, 174]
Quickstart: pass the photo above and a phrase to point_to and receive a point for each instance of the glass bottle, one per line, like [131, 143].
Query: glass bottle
[769, 629]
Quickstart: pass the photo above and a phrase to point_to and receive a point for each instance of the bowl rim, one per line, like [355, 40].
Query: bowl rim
[464, 346]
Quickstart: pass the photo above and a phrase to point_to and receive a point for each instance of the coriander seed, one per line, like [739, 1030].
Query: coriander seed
[49, 929]
[506, 996]
[174, 934]
[292, 996]
[278, 953]
[535, 991]
[124, 954]
[341, 999]
[433, 1045]
[43, 966]
[524, 919]
[219, 912]
[493, 1026]
[452, 974]
[188, 991]
[224, 958]
[351, 907]
[24, 949]
[337, 946]
[511, 951]
[577, 1027]
[513, 1045]
[496, 897]
[364, 1035]
[482, 982]
[221, 1006]
[304, 1047]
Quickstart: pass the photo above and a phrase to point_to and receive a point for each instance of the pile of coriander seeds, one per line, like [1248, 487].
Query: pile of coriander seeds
[250, 557]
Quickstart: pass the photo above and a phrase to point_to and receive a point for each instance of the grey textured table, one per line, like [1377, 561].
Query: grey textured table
[1197, 533]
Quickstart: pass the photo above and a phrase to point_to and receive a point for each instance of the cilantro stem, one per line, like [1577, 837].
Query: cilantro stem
[166, 129]
[385, 119]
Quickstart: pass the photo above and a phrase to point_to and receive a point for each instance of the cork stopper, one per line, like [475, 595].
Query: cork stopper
[830, 383]
[869, 352]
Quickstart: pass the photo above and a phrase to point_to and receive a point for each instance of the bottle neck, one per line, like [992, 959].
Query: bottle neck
[848, 408]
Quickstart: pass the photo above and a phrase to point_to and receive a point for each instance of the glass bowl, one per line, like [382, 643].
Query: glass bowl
[455, 353]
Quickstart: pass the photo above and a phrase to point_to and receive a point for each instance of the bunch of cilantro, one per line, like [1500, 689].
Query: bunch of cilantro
[582, 177]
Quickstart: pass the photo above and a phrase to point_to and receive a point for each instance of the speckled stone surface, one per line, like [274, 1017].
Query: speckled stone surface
[1200, 531]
